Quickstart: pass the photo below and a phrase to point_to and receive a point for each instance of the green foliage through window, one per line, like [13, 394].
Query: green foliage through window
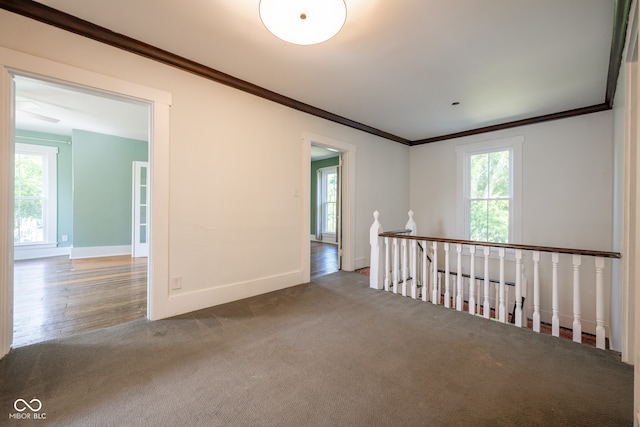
[331, 199]
[489, 196]
[29, 199]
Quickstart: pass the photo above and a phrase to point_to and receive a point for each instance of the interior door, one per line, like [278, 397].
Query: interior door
[140, 244]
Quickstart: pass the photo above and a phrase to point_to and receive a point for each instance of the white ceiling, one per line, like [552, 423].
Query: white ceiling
[47, 107]
[396, 66]
[321, 153]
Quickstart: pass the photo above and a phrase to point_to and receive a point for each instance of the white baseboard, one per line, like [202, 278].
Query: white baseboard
[31, 252]
[566, 321]
[180, 303]
[100, 251]
[361, 263]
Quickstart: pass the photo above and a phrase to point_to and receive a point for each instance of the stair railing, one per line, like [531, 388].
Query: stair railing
[398, 265]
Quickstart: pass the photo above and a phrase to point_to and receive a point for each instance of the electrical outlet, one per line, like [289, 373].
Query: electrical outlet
[176, 283]
[65, 238]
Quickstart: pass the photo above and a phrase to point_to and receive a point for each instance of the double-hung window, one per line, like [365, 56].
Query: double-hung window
[489, 190]
[328, 198]
[35, 195]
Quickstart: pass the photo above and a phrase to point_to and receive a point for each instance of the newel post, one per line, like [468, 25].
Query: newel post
[376, 266]
[411, 225]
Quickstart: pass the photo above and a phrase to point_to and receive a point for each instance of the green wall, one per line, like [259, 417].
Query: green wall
[64, 178]
[314, 187]
[102, 177]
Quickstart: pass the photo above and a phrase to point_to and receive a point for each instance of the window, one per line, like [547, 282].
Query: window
[329, 198]
[35, 195]
[489, 191]
[489, 202]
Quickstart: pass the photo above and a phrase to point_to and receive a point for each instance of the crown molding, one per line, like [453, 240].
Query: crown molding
[517, 123]
[56, 18]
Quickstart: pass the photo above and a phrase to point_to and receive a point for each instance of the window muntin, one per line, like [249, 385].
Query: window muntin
[35, 195]
[329, 177]
[483, 196]
[489, 199]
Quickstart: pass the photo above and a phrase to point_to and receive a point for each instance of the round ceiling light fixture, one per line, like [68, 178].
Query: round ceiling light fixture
[303, 22]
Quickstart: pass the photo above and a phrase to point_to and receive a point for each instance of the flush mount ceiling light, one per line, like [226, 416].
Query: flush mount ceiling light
[303, 21]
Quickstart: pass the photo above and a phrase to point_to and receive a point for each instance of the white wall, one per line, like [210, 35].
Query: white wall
[235, 162]
[567, 198]
[387, 173]
[567, 182]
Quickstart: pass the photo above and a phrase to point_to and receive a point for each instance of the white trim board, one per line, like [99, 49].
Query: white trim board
[31, 252]
[185, 302]
[99, 251]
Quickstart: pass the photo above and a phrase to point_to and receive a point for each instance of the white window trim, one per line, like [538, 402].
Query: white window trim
[51, 192]
[463, 152]
[322, 197]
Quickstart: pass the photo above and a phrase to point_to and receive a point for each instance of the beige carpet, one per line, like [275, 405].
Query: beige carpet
[331, 353]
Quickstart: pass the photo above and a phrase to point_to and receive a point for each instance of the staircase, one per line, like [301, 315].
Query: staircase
[492, 280]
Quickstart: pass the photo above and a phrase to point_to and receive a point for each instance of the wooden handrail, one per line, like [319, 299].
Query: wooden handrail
[394, 232]
[395, 268]
[586, 252]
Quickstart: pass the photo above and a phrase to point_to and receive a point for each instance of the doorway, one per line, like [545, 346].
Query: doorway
[77, 233]
[347, 197]
[326, 213]
[160, 101]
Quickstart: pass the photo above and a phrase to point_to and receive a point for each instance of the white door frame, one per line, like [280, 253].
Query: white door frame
[13, 62]
[348, 198]
[631, 230]
[339, 235]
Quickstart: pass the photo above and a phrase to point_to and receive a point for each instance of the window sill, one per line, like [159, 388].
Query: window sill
[27, 246]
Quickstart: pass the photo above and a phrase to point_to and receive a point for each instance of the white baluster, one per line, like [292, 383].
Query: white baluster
[396, 265]
[518, 311]
[502, 311]
[375, 267]
[425, 271]
[447, 296]
[577, 325]
[414, 269]
[600, 333]
[435, 282]
[536, 291]
[525, 295]
[405, 268]
[387, 264]
[472, 280]
[459, 294]
[507, 290]
[555, 319]
[497, 299]
[486, 310]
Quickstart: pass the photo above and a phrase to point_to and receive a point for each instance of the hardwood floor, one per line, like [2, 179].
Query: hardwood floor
[56, 297]
[324, 259]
